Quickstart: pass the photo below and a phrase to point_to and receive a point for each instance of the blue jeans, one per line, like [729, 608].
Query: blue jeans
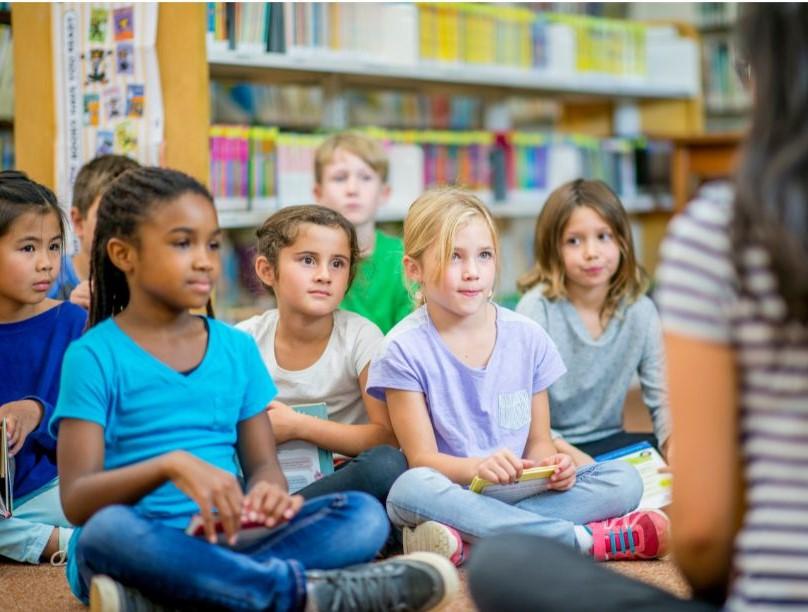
[170, 567]
[23, 536]
[372, 471]
[602, 490]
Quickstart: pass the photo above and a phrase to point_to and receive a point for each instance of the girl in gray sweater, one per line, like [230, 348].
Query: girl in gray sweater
[587, 291]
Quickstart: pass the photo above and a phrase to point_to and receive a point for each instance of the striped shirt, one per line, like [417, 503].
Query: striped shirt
[700, 296]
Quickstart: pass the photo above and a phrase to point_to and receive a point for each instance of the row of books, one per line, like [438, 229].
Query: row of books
[450, 33]
[6, 73]
[303, 106]
[260, 168]
[723, 90]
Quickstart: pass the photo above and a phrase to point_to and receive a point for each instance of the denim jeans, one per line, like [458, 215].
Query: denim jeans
[170, 567]
[23, 536]
[602, 490]
[373, 471]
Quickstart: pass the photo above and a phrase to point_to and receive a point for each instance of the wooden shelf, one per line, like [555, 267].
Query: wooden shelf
[522, 206]
[231, 64]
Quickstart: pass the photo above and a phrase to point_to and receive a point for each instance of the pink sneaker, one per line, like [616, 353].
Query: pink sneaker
[435, 537]
[642, 534]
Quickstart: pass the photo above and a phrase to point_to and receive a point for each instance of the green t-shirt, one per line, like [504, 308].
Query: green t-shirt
[378, 292]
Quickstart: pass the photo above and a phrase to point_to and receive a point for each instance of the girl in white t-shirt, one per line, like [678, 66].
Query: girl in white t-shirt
[316, 353]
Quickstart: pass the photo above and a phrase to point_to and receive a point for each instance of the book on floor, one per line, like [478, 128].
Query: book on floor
[533, 481]
[647, 460]
[303, 462]
[6, 474]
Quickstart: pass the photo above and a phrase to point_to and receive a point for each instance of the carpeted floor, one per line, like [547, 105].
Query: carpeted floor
[27, 588]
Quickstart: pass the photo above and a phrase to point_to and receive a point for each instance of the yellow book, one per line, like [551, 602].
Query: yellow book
[532, 482]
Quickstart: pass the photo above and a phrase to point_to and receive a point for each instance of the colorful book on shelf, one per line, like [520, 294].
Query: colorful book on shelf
[533, 481]
[648, 461]
[303, 462]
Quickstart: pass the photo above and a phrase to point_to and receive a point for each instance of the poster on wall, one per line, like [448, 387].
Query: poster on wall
[108, 97]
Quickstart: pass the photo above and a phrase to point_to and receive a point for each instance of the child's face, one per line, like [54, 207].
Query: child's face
[468, 280]
[312, 273]
[352, 188]
[30, 254]
[175, 262]
[85, 226]
[589, 250]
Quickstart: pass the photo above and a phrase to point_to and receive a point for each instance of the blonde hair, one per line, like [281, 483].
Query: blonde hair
[365, 148]
[435, 218]
[629, 281]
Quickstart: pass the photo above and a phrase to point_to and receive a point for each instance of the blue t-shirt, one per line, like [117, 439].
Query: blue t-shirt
[474, 411]
[66, 281]
[148, 409]
[31, 353]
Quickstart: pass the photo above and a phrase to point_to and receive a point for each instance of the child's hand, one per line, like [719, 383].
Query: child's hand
[210, 487]
[269, 504]
[22, 417]
[284, 422]
[81, 295]
[502, 467]
[564, 476]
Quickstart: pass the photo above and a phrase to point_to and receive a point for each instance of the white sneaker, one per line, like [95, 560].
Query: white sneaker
[435, 537]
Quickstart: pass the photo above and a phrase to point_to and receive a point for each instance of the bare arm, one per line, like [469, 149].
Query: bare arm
[345, 439]
[257, 453]
[706, 485]
[410, 419]
[541, 450]
[539, 444]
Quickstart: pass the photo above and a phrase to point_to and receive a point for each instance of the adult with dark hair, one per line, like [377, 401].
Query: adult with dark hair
[734, 301]
[34, 334]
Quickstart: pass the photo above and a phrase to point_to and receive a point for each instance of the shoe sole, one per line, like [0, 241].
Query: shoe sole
[448, 573]
[433, 537]
[104, 595]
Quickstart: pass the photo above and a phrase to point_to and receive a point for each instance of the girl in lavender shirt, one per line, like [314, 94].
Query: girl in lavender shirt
[466, 386]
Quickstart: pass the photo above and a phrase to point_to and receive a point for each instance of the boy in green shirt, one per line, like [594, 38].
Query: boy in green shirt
[350, 173]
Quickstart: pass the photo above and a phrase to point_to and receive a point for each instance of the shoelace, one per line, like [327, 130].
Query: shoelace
[622, 540]
[374, 589]
[58, 558]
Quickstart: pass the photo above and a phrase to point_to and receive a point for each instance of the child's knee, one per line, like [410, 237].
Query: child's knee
[627, 481]
[383, 466]
[370, 516]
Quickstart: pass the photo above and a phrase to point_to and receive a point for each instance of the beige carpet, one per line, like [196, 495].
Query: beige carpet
[27, 588]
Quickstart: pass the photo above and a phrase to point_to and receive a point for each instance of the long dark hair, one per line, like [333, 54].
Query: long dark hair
[771, 205]
[125, 204]
[19, 195]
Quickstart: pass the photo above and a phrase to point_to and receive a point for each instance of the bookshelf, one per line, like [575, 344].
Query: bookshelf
[233, 65]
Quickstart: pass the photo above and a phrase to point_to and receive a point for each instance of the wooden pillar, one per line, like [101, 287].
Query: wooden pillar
[183, 74]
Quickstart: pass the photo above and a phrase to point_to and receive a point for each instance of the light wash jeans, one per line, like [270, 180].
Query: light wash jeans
[173, 568]
[23, 536]
[602, 491]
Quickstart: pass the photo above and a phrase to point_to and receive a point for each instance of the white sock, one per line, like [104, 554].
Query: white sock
[583, 537]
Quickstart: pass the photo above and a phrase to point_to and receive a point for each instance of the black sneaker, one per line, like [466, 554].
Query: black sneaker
[106, 595]
[411, 583]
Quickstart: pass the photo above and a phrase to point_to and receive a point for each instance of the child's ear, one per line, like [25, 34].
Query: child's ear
[264, 271]
[412, 269]
[317, 191]
[121, 254]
